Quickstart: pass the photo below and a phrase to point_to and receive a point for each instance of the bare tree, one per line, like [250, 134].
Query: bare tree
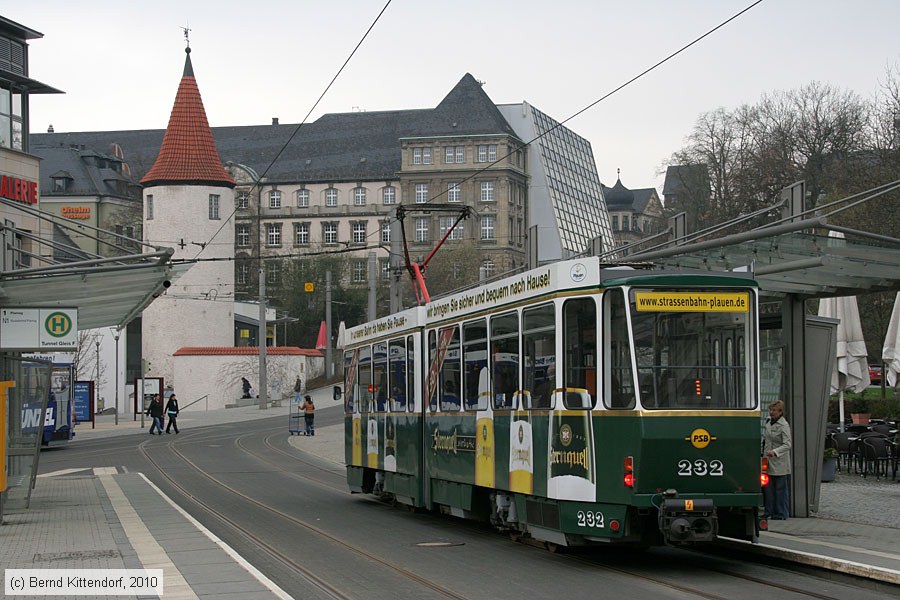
[86, 363]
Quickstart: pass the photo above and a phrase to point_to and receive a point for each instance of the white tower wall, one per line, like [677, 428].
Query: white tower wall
[198, 309]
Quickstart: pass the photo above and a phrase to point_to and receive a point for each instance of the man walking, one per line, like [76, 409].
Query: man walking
[298, 387]
[155, 410]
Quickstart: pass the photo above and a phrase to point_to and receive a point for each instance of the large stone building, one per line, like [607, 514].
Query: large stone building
[335, 184]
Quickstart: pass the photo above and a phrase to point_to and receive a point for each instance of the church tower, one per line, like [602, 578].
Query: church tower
[188, 201]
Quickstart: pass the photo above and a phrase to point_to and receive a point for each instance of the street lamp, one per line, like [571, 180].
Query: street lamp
[261, 335]
[116, 334]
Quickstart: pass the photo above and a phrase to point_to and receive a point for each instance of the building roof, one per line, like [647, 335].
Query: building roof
[90, 173]
[620, 197]
[244, 351]
[188, 153]
[356, 146]
[685, 178]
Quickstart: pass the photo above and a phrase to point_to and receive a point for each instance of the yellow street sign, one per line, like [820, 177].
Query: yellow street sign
[309, 287]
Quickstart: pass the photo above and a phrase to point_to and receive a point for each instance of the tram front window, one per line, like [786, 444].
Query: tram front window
[691, 348]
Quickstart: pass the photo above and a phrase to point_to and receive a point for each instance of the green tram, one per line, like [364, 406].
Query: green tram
[571, 404]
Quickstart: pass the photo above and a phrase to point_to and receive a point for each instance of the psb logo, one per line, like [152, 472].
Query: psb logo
[58, 324]
[700, 438]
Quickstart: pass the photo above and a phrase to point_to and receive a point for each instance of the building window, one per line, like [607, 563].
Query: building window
[386, 232]
[453, 192]
[421, 193]
[359, 196]
[388, 195]
[385, 268]
[213, 207]
[331, 196]
[624, 222]
[359, 271]
[242, 201]
[243, 273]
[615, 221]
[359, 233]
[303, 198]
[487, 153]
[273, 234]
[487, 227]
[60, 184]
[417, 156]
[454, 154]
[301, 234]
[487, 191]
[11, 123]
[273, 272]
[422, 229]
[242, 234]
[487, 268]
[426, 156]
[274, 199]
[330, 233]
[510, 233]
[149, 207]
[445, 223]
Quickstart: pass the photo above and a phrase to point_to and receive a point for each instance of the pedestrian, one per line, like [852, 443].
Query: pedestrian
[245, 387]
[309, 414]
[777, 450]
[172, 412]
[298, 387]
[155, 410]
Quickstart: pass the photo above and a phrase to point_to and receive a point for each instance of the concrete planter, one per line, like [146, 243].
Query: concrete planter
[829, 467]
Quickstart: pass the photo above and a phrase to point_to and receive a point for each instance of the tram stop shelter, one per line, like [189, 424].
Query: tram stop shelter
[795, 261]
[104, 291]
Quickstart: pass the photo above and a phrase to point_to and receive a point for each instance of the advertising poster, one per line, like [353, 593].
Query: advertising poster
[84, 401]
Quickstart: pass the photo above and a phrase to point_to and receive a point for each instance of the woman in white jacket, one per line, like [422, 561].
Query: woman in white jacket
[777, 449]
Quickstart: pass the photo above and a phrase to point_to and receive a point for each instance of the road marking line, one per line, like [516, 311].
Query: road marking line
[149, 552]
[271, 585]
[62, 472]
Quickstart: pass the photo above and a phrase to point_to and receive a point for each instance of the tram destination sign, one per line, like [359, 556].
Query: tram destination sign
[39, 329]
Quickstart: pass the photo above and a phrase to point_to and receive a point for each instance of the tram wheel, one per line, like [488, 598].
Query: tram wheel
[552, 548]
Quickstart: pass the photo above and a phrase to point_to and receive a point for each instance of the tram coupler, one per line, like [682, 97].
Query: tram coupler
[685, 521]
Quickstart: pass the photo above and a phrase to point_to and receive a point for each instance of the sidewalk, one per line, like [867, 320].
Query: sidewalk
[856, 531]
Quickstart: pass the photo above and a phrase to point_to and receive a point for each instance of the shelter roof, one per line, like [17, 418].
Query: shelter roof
[798, 262]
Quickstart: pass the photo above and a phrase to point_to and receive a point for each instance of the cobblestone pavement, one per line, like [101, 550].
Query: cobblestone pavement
[865, 500]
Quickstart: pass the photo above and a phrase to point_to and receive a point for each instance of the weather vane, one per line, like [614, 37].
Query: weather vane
[187, 35]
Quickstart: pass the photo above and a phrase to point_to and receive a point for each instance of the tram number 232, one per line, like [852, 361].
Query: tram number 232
[700, 468]
[588, 518]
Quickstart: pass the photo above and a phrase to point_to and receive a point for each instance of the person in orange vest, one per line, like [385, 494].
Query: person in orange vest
[309, 414]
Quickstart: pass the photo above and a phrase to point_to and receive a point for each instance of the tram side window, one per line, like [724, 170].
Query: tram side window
[410, 374]
[451, 371]
[505, 360]
[580, 352]
[431, 388]
[350, 382]
[397, 375]
[365, 380]
[539, 341]
[380, 376]
[475, 365]
[619, 386]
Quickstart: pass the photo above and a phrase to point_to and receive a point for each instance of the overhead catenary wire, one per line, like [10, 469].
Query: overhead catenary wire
[301, 123]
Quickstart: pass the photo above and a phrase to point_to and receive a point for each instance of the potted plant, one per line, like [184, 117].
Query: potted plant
[829, 464]
[860, 411]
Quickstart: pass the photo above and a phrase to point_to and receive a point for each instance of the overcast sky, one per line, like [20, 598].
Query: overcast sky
[120, 62]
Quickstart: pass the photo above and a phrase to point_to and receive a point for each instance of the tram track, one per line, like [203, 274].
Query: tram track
[290, 520]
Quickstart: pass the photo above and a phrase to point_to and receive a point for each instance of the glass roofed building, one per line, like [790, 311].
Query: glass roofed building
[564, 188]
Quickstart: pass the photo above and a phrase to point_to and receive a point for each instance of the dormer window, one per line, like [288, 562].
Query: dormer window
[60, 184]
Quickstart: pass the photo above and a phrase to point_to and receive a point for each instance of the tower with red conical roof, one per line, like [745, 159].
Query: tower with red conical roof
[188, 201]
